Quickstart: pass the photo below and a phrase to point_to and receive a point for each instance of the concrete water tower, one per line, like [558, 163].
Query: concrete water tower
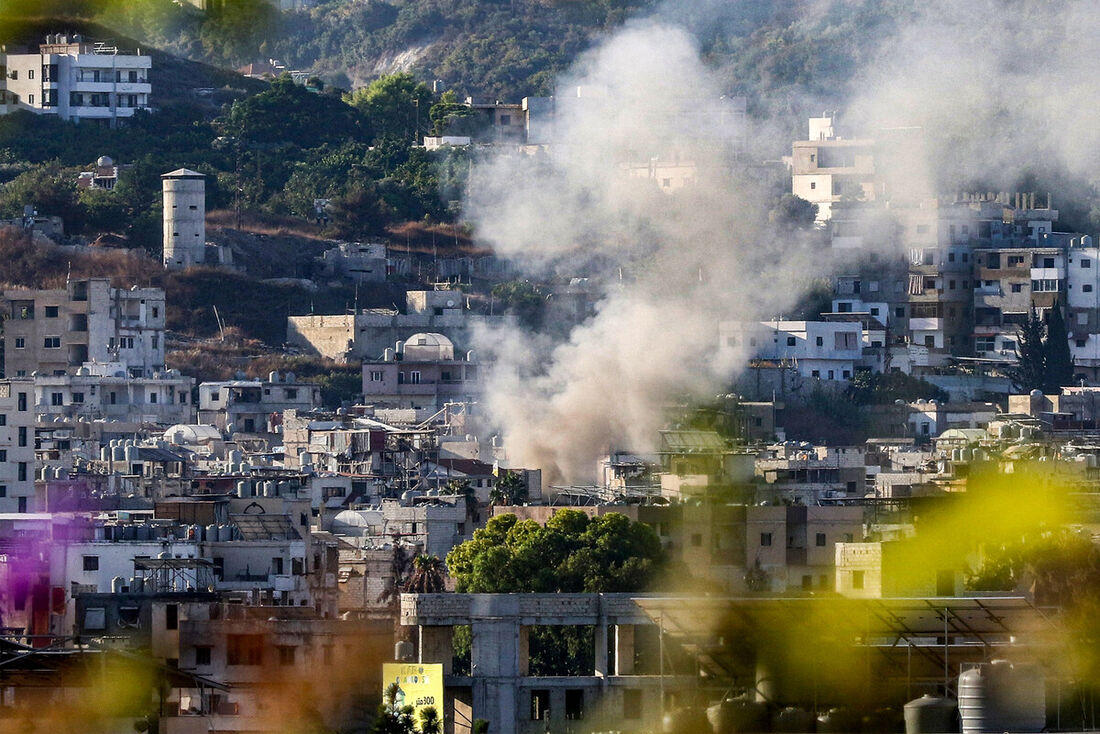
[184, 218]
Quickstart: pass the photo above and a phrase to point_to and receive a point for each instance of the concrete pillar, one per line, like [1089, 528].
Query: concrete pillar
[436, 646]
[494, 662]
[602, 669]
[624, 649]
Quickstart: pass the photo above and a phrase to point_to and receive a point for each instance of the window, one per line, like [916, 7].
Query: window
[244, 649]
[765, 539]
[414, 377]
[23, 402]
[286, 655]
[984, 344]
[820, 540]
[22, 440]
[30, 73]
[540, 705]
[574, 704]
[172, 617]
[291, 393]
[790, 341]
[899, 312]
[1082, 342]
[1086, 288]
[78, 397]
[1048, 262]
[3, 490]
[154, 341]
[51, 342]
[20, 342]
[1017, 287]
[857, 579]
[807, 582]
[696, 540]
[57, 398]
[51, 312]
[820, 341]
[505, 119]
[202, 655]
[91, 563]
[1086, 263]
[813, 184]
[3, 419]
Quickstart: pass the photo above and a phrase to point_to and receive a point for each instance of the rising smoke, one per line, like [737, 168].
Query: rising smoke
[688, 259]
[996, 86]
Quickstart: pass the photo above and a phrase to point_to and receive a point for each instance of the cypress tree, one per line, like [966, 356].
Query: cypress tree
[1030, 371]
[1059, 361]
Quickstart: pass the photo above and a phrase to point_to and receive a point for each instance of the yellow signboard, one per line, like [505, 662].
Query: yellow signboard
[419, 686]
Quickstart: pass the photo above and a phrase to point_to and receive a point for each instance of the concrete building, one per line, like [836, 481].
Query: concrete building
[421, 373]
[55, 332]
[17, 462]
[184, 218]
[364, 262]
[255, 406]
[107, 392]
[76, 80]
[367, 334]
[818, 349]
[828, 168]
[1083, 306]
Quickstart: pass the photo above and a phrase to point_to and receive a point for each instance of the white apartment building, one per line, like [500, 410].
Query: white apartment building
[76, 80]
[16, 446]
[56, 331]
[828, 168]
[1083, 306]
[107, 392]
[254, 406]
[818, 349]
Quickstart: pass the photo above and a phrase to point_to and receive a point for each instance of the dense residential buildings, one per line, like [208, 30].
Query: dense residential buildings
[421, 373]
[17, 441]
[76, 80]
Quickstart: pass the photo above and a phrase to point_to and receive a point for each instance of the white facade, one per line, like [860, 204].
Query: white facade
[16, 446]
[76, 81]
[1083, 306]
[818, 349]
[184, 218]
[107, 392]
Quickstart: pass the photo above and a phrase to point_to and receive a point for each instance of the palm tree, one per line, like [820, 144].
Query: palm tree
[430, 722]
[427, 576]
[510, 489]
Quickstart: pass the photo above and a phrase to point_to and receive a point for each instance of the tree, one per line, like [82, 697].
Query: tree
[397, 106]
[450, 117]
[793, 212]
[289, 113]
[571, 553]
[394, 716]
[430, 723]
[1030, 371]
[522, 298]
[427, 576]
[510, 489]
[1059, 361]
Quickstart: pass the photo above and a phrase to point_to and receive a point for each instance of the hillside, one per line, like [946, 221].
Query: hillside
[783, 55]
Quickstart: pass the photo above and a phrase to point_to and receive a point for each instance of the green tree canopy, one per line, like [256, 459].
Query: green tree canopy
[571, 553]
[397, 105]
[289, 113]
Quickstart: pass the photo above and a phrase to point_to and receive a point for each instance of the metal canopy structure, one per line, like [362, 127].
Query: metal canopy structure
[166, 575]
[900, 643]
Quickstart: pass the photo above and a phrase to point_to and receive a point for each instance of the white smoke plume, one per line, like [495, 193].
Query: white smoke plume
[689, 259]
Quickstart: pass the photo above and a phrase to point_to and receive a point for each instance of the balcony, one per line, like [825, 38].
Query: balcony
[925, 323]
[1048, 273]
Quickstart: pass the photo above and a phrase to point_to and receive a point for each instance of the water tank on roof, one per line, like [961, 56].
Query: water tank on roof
[387, 355]
[931, 715]
[838, 721]
[399, 348]
[137, 585]
[225, 532]
[290, 377]
[1001, 696]
[118, 453]
[273, 376]
[116, 584]
[130, 453]
[243, 489]
[211, 533]
[1090, 461]
[269, 489]
[734, 716]
[404, 652]
[283, 489]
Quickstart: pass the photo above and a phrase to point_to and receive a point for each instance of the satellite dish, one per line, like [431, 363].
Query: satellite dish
[450, 304]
